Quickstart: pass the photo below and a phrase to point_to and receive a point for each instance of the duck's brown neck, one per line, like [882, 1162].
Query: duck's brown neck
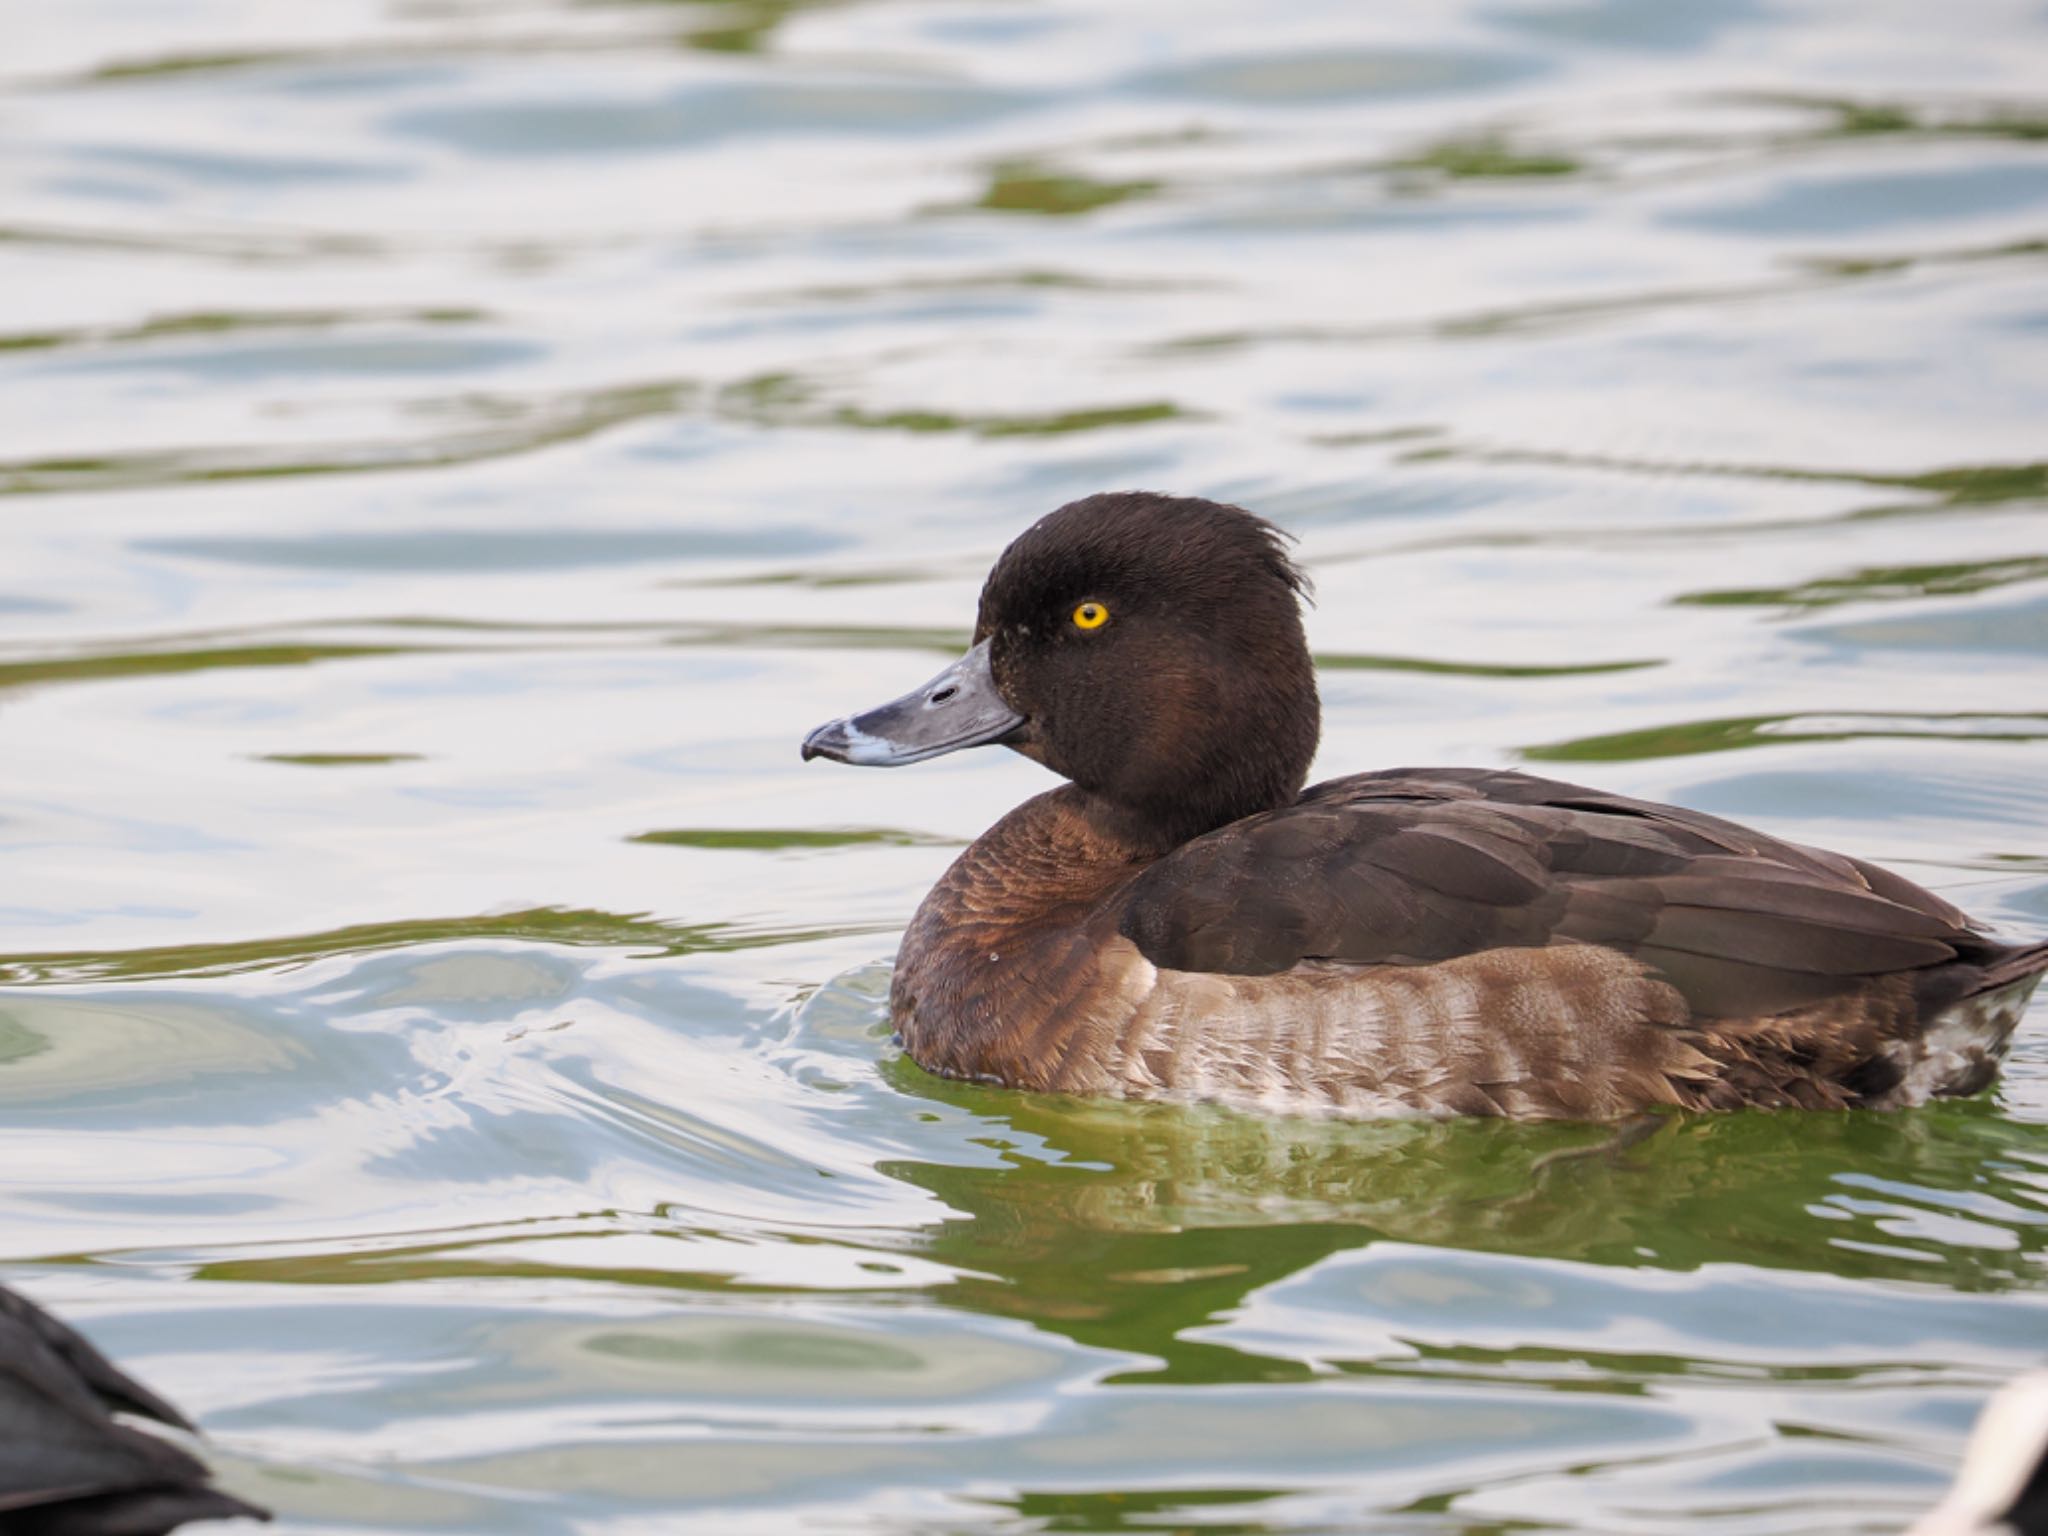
[986, 963]
[1201, 762]
[1145, 833]
[1053, 851]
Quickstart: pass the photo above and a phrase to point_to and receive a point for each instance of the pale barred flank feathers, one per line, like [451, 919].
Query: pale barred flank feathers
[1507, 1032]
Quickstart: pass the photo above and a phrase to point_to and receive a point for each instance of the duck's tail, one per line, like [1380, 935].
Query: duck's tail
[1967, 1028]
[2028, 963]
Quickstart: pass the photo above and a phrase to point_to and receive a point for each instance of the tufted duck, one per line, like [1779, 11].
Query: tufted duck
[1183, 920]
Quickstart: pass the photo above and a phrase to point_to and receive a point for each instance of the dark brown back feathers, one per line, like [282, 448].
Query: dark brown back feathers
[1420, 865]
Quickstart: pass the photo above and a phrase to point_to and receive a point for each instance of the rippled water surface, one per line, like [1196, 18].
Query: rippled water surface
[451, 450]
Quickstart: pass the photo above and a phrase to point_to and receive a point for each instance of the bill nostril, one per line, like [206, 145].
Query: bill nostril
[941, 695]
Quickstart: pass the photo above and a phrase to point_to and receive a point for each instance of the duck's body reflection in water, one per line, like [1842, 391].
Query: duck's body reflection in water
[1204, 1247]
[1222, 1204]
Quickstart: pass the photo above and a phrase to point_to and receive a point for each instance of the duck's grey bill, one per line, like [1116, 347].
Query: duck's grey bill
[958, 708]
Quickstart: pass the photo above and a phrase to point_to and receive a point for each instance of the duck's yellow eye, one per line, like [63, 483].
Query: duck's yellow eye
[1090, 616]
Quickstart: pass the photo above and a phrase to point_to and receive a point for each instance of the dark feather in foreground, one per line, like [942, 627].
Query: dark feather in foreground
[67, 1466]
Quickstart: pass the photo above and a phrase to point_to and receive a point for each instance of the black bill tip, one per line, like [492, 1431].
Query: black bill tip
[961, 707]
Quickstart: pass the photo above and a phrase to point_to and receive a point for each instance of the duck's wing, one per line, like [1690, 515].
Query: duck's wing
[67, 1468]
[1417, 866]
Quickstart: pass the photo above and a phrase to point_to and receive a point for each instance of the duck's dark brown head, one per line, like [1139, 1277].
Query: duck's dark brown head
[1147, 647]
